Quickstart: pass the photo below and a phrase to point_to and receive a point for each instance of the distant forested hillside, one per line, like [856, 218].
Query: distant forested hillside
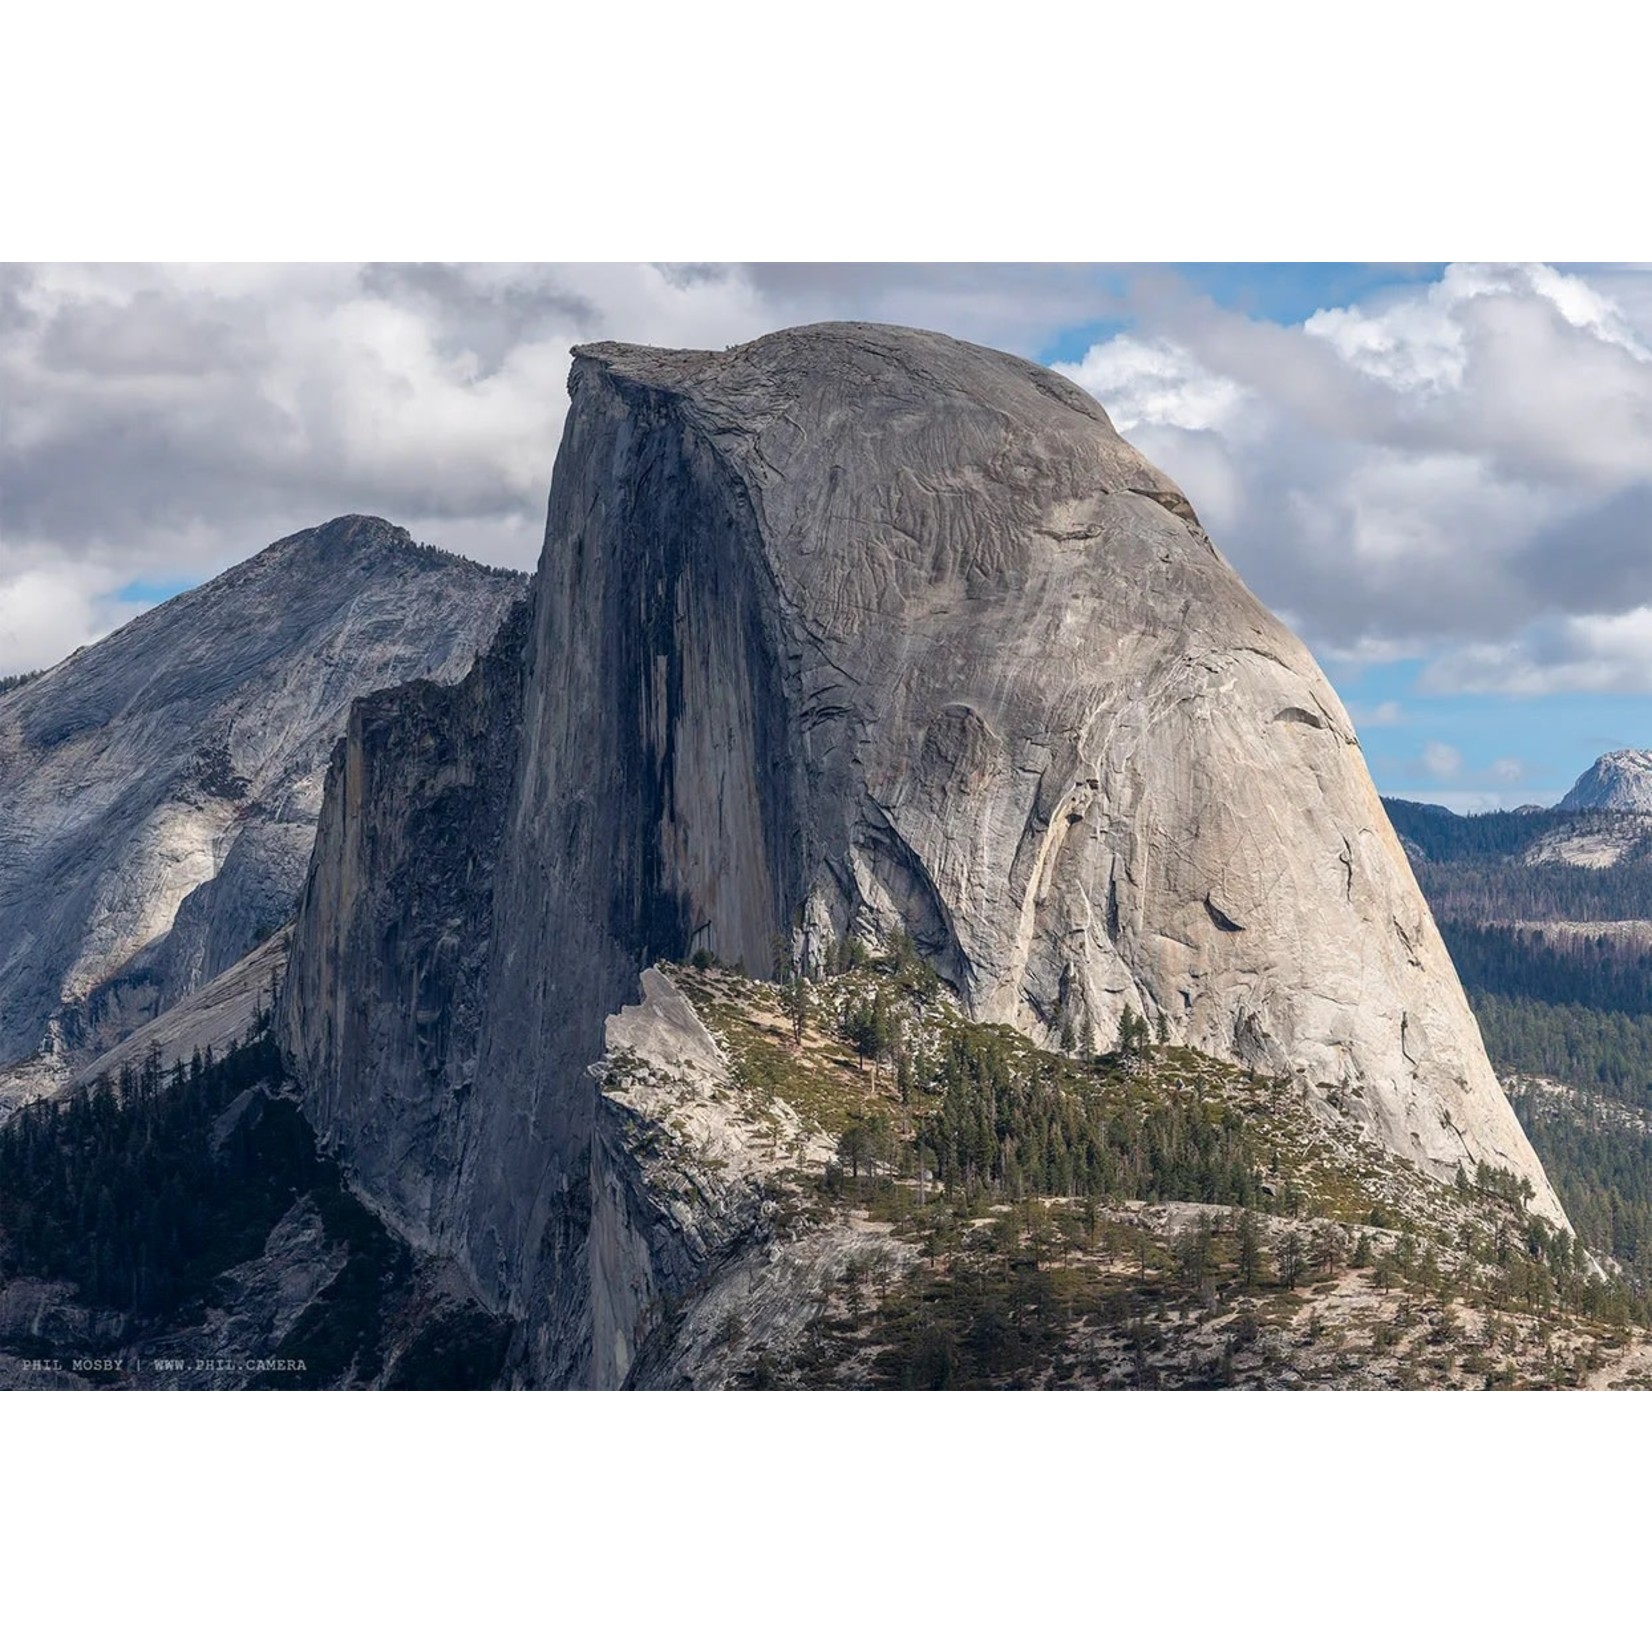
[1513, 892]
[1610, 972]
[1444, 836]
[1556, 1002]
[1602, 1172]
[1607, 1053]
[1472, 867]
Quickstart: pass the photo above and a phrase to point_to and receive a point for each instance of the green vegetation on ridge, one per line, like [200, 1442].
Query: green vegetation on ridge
[143, 1192]
[1073, 1209]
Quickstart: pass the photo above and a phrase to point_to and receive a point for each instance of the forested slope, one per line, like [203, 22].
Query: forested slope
[1548, 918]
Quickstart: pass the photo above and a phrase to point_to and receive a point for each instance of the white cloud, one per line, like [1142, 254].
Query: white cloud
[1440, 761]
[171, 420]
[46, 613]
[1387, 714]
[1439, 466]
[1417, 346]
[1142, 381]
[1423, 341]
[1456, 466]
[1584, 654]
[1444, 765]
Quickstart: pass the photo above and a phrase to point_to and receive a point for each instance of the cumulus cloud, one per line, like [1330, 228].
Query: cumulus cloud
[1016, 307]
[1439, 467]
[1386, 714]
[1460, 469]
[160, 396]
[1443, 765]
[46, 612]
[1142, 381]
[166, 421]
[1581, 654]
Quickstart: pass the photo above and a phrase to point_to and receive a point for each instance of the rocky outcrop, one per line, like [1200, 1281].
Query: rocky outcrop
[230, 1008]
[388, 990]
[1619, 780]
[1595, 839]
[850, 629]
[159, 790]
[691, 1182]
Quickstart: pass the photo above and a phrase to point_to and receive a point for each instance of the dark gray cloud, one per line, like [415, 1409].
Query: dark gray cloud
[1596, 559]
[149, 336]
[485, 310]
[164, 421]
[1021, 306]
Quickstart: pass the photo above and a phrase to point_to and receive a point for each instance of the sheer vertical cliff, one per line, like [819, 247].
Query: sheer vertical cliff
[396, 917]
[848, 628]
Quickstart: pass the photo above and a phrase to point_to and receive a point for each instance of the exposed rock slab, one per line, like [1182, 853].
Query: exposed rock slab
[688, 1271]
[849, 628]
[159, 790]
[1619, 780]
[1594, 842]
[226, 1009]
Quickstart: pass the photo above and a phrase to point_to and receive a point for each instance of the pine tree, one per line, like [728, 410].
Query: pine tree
[1291, 1259]
[1252, 1259]
[794, 999]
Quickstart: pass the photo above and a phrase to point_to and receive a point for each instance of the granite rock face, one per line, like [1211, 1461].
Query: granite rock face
[387, 990]
[229, 1008]
[1595, 839]
[159, 790]
[688, 1179]
[1619, 780]
[852, 628]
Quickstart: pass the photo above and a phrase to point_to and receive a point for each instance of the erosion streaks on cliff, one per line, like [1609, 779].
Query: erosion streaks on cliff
[849, 629]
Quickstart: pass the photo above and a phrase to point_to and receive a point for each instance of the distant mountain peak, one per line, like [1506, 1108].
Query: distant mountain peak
[159, 788]
[355, 537]
[1620, 780]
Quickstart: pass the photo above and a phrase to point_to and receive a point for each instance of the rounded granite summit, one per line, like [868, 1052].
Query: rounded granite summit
[1621, 780]
[854, 629]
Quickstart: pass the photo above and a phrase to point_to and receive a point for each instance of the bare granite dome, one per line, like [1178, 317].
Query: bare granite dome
[1037, 718]
[854, 627]
[1619, 780]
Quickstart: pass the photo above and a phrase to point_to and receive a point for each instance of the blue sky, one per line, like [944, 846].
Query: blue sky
[1440, 475]
[1460, 749]
[1443, 455]
[150, 591]
[1286, 293]
[1454, 748]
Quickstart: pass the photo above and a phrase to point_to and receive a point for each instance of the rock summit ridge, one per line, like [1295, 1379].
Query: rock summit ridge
[1620, 780]
[848, 630]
